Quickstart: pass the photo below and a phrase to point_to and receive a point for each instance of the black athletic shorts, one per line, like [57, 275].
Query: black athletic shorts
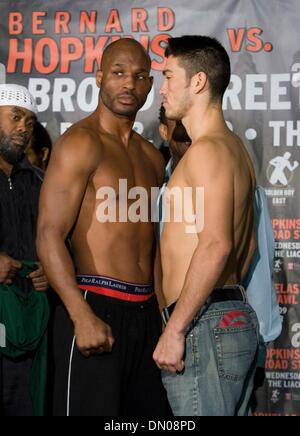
[125, 382]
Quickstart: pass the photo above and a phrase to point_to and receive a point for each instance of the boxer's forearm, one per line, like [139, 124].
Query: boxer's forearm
[60, 271]
[206, 268]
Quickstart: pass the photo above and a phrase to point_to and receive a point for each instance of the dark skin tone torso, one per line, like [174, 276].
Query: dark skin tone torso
[120, 250]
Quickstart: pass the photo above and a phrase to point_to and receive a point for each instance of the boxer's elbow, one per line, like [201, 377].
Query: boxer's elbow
[48, 236]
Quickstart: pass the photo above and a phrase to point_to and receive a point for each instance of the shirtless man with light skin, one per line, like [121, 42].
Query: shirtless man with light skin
[211, 326]
[108, 369]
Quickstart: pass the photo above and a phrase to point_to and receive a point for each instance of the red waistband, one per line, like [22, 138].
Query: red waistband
[116, 294]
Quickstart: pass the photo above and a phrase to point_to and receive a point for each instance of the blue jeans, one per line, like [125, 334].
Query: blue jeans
[220, 362]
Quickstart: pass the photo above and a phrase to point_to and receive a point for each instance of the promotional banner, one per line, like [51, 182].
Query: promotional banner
[55, 48]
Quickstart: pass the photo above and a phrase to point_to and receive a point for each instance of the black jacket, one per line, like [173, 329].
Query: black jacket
[19, 196]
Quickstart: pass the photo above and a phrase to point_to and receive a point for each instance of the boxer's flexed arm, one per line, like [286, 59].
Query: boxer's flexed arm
[74, 159]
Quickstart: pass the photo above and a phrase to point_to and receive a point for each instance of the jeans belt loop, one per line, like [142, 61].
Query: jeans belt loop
[244, 293]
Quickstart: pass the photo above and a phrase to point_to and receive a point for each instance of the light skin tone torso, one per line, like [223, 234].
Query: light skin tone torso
[97, 152]
[220, 254]
[233, 162]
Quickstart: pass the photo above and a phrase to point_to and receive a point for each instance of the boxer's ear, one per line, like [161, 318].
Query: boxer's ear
[199, 82]
[99, 76]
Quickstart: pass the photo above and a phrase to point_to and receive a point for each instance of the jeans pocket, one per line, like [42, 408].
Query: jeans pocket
[236, 349]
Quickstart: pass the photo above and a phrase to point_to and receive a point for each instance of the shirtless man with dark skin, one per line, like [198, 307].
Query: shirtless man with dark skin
[208, 348]
[106, 334]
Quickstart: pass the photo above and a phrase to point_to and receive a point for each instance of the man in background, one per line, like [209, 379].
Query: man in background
[39, 149]
[175, 136]
[20, 186]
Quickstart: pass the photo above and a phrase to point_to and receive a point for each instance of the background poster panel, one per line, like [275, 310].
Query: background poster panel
[54, 49]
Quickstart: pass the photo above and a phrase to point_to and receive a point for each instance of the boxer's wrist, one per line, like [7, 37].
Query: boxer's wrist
[79, 311]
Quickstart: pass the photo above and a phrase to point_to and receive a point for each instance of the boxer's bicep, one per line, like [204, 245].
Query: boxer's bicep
[71, 165]
[213, 195]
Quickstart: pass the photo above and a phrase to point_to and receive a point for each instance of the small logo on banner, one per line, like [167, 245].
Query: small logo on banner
[2, 336]
[289, 396]
[278, 264]
[280, 173]
[281, 170]
[275, 396]
[293, 266]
